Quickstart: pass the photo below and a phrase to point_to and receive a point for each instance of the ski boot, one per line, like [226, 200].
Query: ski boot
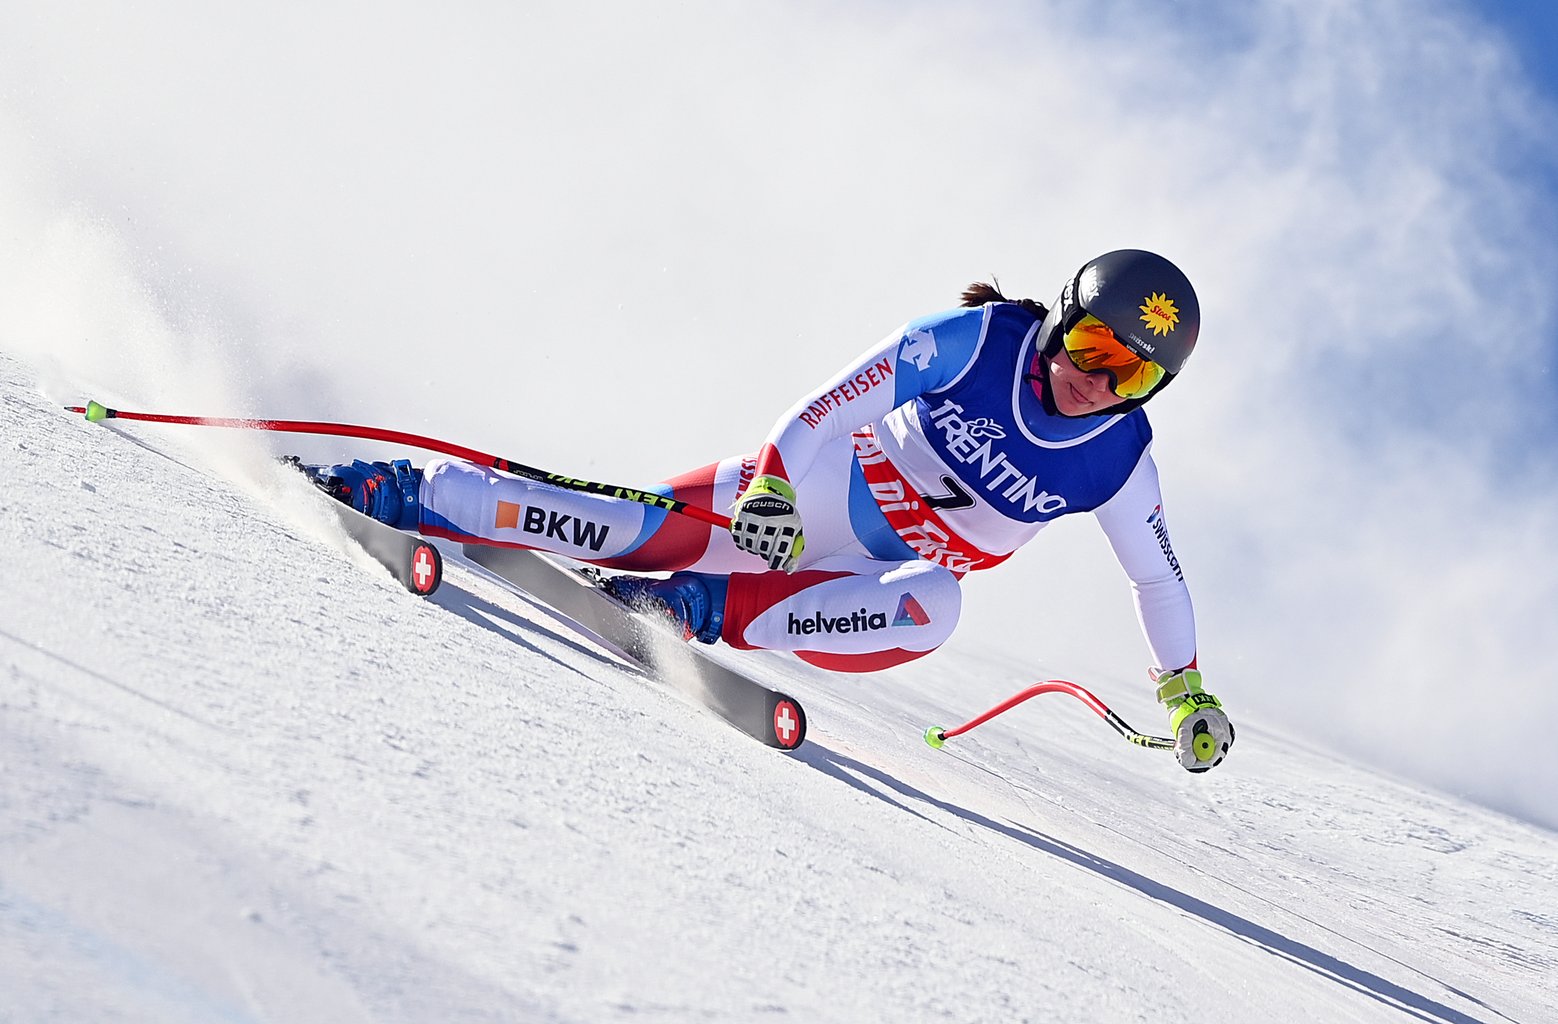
[386, 491]
[695, 602]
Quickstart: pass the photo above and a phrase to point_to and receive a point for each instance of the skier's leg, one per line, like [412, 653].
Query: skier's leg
[833, 498]
[846, 613]
[860, 602]
[475, 505]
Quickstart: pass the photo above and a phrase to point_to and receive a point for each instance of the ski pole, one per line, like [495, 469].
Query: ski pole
[96, 412]
[937, 736]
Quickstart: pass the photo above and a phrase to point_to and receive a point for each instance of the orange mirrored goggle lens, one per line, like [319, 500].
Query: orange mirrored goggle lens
[1092, 346]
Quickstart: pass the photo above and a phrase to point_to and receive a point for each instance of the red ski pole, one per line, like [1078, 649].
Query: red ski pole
[96, 412]
[937, 736]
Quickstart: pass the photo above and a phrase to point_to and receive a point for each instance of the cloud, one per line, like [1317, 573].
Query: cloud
[619, 239]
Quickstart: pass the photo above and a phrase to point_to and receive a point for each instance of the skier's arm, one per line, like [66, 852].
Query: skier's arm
[923, 356]
[1134, 523]
[920, 357]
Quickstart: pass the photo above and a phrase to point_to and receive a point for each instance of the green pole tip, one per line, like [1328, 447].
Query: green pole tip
[1204, 746]
[96, 412]
[936, 736]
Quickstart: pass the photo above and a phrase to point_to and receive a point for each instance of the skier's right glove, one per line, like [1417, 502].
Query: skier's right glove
[1202, 733]
[765, 522]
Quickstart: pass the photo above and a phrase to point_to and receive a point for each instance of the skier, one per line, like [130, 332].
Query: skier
[938, 452]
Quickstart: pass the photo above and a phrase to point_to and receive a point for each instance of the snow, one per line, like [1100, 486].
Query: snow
[245, 776]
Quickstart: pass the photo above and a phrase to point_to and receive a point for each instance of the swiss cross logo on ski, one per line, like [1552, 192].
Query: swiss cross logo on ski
[569, 529]
[787, 724]
[424, 573]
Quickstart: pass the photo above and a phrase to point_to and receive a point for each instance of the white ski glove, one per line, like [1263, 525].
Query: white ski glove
[1202, 733]
[765, 522]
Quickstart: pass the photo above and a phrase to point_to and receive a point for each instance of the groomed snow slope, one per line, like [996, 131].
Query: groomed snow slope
[245, 777]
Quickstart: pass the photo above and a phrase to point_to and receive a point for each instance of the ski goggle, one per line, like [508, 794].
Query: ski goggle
[1092, 346]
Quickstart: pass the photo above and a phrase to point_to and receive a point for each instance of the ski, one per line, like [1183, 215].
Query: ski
[412, 560]
[763, 713]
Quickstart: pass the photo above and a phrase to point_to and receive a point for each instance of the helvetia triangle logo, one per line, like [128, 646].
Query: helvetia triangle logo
[910, 613]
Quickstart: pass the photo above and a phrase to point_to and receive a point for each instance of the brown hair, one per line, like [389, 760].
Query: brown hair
[979, 293]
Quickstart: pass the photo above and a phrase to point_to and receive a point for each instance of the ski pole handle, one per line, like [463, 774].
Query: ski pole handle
[96, 412]
[937, 736]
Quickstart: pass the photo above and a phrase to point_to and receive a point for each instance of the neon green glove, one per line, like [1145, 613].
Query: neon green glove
[765, 522]
[1202, 733]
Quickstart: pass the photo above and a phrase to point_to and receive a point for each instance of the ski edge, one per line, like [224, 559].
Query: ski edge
[412, 560]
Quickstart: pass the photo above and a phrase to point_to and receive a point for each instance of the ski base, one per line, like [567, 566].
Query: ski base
[763, 713]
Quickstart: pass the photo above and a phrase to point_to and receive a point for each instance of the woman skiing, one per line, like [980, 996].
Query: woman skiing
[939, 452]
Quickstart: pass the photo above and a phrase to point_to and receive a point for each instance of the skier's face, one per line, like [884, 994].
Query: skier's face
[1076, 393]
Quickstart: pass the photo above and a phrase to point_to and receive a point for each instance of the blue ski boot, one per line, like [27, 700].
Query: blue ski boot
[694, 601]
[386, 491]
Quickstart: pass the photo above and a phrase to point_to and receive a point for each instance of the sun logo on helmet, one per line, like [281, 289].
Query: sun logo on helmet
[1159, 313]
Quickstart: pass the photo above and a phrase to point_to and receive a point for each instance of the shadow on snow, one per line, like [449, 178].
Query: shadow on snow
[511, 627]
[854, 773]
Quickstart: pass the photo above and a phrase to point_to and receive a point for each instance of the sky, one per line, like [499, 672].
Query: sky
[1531, 26]
[619, 243]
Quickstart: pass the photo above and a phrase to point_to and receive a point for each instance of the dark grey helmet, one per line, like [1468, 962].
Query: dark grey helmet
[1144, 299]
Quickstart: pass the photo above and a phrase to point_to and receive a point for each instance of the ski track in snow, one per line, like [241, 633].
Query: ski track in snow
[247, 777]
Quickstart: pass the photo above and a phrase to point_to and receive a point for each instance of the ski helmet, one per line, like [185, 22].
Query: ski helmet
[1146, 302]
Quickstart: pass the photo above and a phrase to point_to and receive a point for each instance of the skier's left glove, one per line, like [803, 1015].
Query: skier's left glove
[766, 523]
[1202, 733]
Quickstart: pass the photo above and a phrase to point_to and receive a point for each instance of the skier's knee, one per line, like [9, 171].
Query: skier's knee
[848, 621]
[928, 604]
